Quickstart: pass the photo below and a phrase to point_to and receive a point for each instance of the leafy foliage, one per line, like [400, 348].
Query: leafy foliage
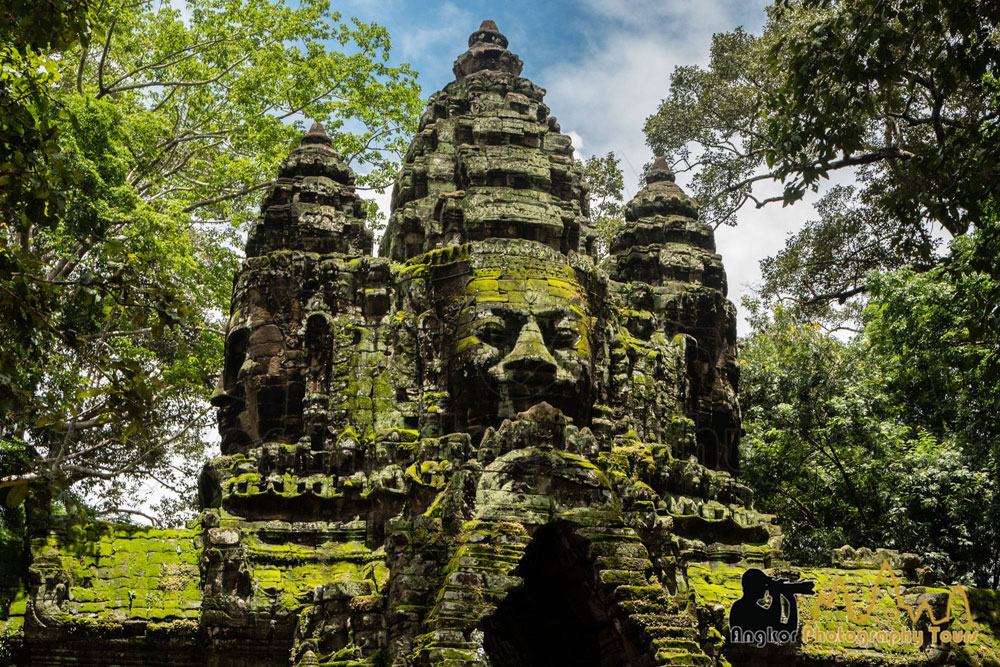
[833, 448]
[899, 92]
[711, 123]
[818, 435]
[888, 439]
[939, 332]
[906, 85]
[823, 266]
[605, 180]
[133, 158]
[32, 34]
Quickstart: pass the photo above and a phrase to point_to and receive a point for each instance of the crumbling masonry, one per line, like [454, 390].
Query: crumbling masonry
[485, 447]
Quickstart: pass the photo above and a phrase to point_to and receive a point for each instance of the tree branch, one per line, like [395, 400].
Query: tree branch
[184, 84]
[159, 64]
[81, 68]
[123, 510]
[841, 297]
[232, 195]
[104, 55]
[805, 510]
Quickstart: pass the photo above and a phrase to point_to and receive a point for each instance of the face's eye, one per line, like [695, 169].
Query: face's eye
[492, 333]
[564, 336]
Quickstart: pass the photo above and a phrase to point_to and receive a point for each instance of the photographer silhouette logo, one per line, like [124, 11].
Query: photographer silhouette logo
[768, 612]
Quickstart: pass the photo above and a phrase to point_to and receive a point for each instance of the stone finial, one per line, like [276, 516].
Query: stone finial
[487, 51]
[309, 658]
[660, 171]
[317, 135]
[488, 33]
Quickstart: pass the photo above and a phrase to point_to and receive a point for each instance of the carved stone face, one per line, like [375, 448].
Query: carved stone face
[230, 395]
[522, 337]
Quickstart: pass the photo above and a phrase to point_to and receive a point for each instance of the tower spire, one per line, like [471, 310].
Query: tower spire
[316, 135]
[660, 171]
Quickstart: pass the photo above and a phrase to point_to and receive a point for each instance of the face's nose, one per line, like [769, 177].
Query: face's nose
[530, 354]
[220, 397]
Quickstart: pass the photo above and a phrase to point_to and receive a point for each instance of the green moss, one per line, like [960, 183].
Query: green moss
[348, 434]
[400, 435]
[442, 256]
[252, 480]
[435, 509]
[715, 583]
[467, 343]
[19, 606]
[114, 572]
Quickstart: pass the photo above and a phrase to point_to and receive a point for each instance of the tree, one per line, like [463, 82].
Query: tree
[937, 334]
[887, 439]
[33, 181]
[818, 435]
[169, 124]
[606, 183]
[33, 35]
[901, 92]
[833, 448]
[710, 125]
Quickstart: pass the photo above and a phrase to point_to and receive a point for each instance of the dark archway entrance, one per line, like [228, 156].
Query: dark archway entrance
[556, 617]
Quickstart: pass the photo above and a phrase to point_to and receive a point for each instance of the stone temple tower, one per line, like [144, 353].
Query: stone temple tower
[487, 446]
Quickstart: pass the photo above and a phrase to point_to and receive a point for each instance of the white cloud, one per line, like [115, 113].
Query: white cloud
[437, 46]
[682, 22]
[577, 144]
[619, 79]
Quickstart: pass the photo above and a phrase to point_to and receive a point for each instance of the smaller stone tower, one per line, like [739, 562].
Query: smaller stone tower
[663, 244]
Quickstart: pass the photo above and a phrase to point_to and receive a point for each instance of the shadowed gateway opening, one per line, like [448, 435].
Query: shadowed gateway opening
[557, 616]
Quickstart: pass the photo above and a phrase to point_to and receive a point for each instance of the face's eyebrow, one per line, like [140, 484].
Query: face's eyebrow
[505, 309]
[491, 319]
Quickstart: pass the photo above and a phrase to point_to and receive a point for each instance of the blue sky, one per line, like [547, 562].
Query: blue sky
[606, 65]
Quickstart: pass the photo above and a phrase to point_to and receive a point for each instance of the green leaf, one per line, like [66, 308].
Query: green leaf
[16, 494]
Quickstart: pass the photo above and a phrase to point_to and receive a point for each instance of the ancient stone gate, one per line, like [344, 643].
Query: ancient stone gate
[488, 446]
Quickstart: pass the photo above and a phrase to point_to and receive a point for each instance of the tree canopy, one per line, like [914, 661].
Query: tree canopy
[880, 440]
[902, 93]
[888, 437]
[137, 140]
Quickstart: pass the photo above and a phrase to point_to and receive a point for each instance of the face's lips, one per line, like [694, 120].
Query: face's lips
[534, 380]
[525, 385]
[561, 394]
